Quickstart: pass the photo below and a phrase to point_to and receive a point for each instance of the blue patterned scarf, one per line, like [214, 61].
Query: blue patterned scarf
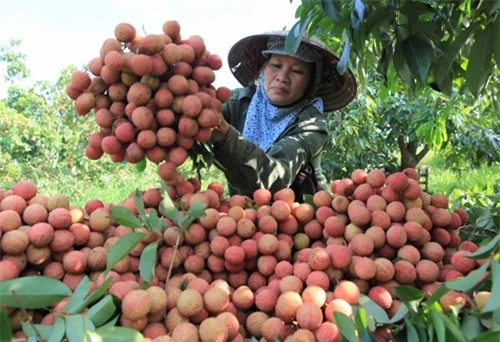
[265, 122]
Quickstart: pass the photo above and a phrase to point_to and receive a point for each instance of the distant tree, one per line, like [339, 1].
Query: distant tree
[41, 137]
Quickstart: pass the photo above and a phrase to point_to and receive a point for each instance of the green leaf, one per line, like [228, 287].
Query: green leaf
[44, 330]
[485, 251]
[125, 217]
[443, 289]
[294, 37]
[373, 309]
[346, 327]
[411, 331]
[197, 210]
[488, 336]
[113, 321]
[357, 14]
[493, 303]
[496, 42]
[479, 66]
[46, 292]
[121, 248]
[344, 58]
[167, 207]
[329, 10]
[102, 311]
[117, 334]
[452, 328]
[438, 325]
[468, 282]
[139, 204]
[495, 320]
[400, 314]
[361, 324]
[451, 53]
[75, 328]
[78, 295]
[141, 166]
[418, 54]
[409, 295]
[147, 261]
[96, 294]
[400, 64]
[6, 331]
[58, 330]
[471, 326]
[154, 221]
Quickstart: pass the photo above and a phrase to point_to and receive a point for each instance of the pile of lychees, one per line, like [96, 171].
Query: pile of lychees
[152, 96]
[264, 267]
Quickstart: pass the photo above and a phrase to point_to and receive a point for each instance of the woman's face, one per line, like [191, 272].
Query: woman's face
[286, 79]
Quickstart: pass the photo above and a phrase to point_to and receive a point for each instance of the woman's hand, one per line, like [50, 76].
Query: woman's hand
[219, 133]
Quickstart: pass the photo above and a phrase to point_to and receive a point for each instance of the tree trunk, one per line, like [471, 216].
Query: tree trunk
[409, 155]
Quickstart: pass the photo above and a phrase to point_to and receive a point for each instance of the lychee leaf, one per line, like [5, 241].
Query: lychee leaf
[362, 325]
[487, 336]
[147, 261]
[400, 314]
[21, 292]
[478, 68]
[75, 327]
[438, 325]
[471, 325]
[443, 289]
[373, 309]
[141, 166]
[139, 204]
[344, 58]
[452, 52]
[346, 327]
[418, 54]
[78, 295]
[125, 217]
[121, 248]
[485, 251]
[411, 331]
[102, 311]
[42, 329]
[58, 330]
[116, 334]
[294, 37]
[154, 222]
[329, 10]
[6, 332]
[452, 328]
[470, 281]
[197, 210]
[167, 207]
[493, 303]
[410, 296]
[96, 294]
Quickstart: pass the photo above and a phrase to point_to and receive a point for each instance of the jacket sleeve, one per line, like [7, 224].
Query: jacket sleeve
[248, 168]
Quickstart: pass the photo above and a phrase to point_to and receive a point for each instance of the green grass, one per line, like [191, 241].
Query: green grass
[456, 183]
[116, 187]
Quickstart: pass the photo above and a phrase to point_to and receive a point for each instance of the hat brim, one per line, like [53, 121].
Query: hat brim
[245, 60]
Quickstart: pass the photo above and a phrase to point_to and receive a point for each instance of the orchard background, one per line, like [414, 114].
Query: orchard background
[428, 76]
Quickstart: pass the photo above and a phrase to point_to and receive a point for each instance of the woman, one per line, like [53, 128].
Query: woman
[273, 130]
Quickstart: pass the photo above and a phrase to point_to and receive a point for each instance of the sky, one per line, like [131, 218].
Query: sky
[58, 33]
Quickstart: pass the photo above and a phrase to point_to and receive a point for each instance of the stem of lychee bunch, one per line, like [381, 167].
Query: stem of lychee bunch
[25, 313]
[173, 258]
